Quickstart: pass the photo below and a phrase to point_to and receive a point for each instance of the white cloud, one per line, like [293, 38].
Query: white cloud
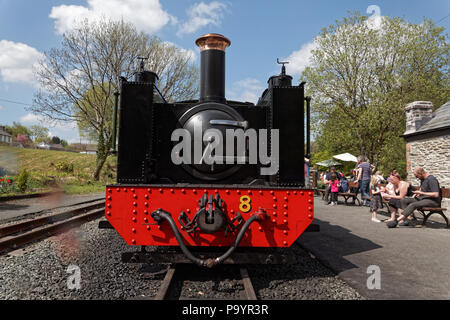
[1, 108]
[246, 90]
[31, 118]
[201, 15]
[146, 15]
[64, 130]
[300, 59]
[17, 61]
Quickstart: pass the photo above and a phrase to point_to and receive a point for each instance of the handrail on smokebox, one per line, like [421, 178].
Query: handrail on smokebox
[161, 214]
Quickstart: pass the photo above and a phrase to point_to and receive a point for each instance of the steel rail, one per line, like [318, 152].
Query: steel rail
[172, 273]
[13, 242]
[248, 286]
[166, 284]
[37, 222]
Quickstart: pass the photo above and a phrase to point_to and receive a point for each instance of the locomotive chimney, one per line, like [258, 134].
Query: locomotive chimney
[212, 70]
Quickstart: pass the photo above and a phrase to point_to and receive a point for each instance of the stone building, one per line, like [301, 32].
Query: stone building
[427, 139]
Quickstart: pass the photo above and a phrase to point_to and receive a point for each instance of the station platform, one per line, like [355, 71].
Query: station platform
[414, 262]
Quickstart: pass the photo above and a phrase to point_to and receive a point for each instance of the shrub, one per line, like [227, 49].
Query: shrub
[22, 180]
[64, 166]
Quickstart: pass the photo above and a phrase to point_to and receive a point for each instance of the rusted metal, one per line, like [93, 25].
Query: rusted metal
[248, 286]
[166, 284]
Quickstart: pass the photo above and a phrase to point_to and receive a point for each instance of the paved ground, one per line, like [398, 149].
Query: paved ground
[12, 209]
[414, 262]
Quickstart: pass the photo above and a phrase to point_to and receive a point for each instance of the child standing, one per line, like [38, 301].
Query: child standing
[376, 201]
[334, 189]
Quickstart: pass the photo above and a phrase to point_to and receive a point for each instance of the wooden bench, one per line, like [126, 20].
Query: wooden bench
[426, 212]
[321, 193]
[345, 195]
[348, 195]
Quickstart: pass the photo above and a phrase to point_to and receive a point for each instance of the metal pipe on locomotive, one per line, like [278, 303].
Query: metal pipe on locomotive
[167, 195]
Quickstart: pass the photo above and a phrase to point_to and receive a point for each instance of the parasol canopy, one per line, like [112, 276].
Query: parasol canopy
[328, 163]
[346, 157]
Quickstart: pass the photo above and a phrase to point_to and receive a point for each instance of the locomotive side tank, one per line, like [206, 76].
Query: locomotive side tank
[210, 172]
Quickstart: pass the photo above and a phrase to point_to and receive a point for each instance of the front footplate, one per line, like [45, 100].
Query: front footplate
[235, 258]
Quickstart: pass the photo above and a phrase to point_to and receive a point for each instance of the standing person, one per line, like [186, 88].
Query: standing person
[326, 180]
[334, 188]
[376, 201]
[364, 173]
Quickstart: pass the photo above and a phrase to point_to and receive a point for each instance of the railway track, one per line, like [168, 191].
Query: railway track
[175, 273]
[16, 235]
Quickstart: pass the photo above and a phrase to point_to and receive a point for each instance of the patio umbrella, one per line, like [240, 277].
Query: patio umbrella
[346, 157]
[328, 163]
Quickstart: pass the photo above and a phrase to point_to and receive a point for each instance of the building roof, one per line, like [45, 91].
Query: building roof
[440, 120]
[4, 133]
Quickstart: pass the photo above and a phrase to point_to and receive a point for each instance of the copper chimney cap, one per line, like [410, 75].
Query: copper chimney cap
[213, 41]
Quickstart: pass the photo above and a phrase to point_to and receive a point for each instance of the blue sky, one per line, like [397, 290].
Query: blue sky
[260, 32]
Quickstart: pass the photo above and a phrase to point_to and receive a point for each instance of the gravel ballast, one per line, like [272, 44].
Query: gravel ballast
[40, 272]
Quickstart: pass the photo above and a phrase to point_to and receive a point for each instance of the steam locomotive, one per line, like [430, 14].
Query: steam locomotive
[210, 173]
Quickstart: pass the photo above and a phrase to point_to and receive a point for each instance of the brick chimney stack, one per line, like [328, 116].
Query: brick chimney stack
[417, 114]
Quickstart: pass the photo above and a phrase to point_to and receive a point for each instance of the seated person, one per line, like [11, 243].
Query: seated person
[427, 196]
[344, 184]
[326, 181]
[401, 190]
[379, 177]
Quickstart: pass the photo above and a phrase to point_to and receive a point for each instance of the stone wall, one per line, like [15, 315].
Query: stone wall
[433, 154]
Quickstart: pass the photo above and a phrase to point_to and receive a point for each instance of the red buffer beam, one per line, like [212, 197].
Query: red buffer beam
[288, 214]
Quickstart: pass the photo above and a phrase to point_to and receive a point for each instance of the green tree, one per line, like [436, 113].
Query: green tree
[17, 129]
[55, 140]
[79, 79]
[38, 133]
[362, 76]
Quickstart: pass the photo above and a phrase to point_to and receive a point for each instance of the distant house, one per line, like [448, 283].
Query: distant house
[90, 149]
[57, 147]
[5, 136]
[43, 146]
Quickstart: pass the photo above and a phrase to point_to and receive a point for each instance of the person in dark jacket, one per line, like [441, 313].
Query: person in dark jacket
[365, 170]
